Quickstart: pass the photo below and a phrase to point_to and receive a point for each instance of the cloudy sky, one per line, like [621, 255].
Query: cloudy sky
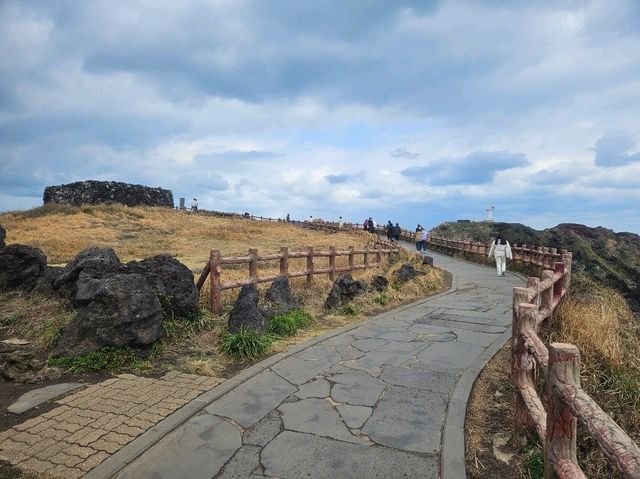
[414, 112]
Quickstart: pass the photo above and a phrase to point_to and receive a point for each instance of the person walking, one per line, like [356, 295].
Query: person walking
[421, 238]
[371, 227]
[194, 205]
[501, 251]
[396, 232]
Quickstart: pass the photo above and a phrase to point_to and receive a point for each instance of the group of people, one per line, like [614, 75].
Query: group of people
[369, 225]
[393, 231]
[421, 238]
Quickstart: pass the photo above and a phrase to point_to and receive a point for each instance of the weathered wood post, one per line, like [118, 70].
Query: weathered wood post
[332, 263]
[309, 266]
[559, 285]
[521, 369]
[366, 257]
[567, 258]
[533, 284]
[378, 256]
[351, 258]
[560, 444]
[253, 264]
[214, 280]
[284, 261]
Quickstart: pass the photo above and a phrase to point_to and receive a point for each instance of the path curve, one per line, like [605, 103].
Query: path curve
[371, 400]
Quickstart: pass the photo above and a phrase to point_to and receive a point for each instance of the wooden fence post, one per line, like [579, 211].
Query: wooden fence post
[559, 285]
[378, 256]
[567, 258]
[351, 258]
[332, 263]
[366, 257]
[253, 264]
[560, 444]
[547, 295]
[214, 280]
[309, 266]
[534, 284]
[284, 261]
[523, 370]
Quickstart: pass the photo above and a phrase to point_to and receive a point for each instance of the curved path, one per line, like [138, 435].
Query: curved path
[371, 400]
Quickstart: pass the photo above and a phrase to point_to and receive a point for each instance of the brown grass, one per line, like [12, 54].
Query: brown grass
[62, 231]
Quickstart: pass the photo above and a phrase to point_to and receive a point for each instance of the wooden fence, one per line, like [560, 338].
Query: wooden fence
[567, 402]
[213, 268]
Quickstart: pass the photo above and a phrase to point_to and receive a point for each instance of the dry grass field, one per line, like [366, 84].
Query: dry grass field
[63, 231]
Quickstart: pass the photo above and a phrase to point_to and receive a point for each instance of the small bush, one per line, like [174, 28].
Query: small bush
[382, 299]
[245, 344]
[289, 323]
[174, 328]
[106, 359]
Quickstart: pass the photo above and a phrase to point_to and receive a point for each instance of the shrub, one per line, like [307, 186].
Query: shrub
[177, 328]
[289, 323]
[244, 344]
[382, 299]
[348, 310]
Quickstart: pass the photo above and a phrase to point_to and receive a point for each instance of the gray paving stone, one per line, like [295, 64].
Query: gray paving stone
[38, 396]
[420, 378]
[408, 419]
[343, 339]
[295, 455]
[198, 449]
[349, 352]
[398, 335]
[452, 355]
[477, 338]
[369, 366]
[468, 326]
[357, 388]
[299, 370]
[253, 399]
[354, 416]
[394, 353]
[316, 416]
[367, 345]
[318, 388]
[242, 464]
[264, 430]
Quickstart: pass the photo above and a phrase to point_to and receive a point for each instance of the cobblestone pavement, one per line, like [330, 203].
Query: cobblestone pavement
[93, 423]
[369, 402]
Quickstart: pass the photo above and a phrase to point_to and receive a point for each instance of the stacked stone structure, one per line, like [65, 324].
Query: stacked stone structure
[96, 192]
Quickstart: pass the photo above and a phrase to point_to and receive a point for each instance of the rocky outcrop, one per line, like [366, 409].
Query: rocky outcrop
[95, 192]
[94, 262]
[172, 282]
[407, 272]
[245, 313]
[119, 310]
[3, 235]
[379, 284]
[343, 290]
[21, 266]
[279, 299]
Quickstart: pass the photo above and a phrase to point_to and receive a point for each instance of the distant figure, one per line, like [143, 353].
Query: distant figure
[340, 223]
[371, 227]
[396, 232]
[389, 228]
[365, 225]
[501, 250]
[194, 204]
[421, 238]
[246, 214]
[288, 219]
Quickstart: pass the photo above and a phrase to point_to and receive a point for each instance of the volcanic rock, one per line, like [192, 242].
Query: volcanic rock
[245, 313]
[120, 310]
[343, 290]
[407, 272]
[379, 284]
[21, 266]
[279, 299]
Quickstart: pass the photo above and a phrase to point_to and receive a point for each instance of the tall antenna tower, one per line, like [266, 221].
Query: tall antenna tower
[490, 214]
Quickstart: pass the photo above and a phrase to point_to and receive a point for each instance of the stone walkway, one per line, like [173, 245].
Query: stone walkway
[368, 402]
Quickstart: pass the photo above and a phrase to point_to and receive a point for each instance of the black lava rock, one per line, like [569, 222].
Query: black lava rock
[245, 313]
[406, 273]
[21, 266]
[95, 192]
[343, 290]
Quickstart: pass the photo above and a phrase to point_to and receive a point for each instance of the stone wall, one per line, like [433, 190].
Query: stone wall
[95, 192]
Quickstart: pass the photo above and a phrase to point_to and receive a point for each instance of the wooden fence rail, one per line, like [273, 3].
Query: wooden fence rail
[566, 400]
[371, 258]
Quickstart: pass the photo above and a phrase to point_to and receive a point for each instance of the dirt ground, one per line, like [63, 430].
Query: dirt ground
[490, 413]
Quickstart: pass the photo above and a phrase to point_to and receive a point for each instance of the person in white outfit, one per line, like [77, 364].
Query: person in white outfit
[501, 250]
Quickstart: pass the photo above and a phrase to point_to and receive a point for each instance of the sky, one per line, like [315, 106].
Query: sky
[409, 111]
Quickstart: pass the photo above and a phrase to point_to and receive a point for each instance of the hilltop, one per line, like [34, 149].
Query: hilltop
[605, 256]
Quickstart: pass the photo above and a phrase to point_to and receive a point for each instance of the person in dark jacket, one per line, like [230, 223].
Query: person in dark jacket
[370, 227]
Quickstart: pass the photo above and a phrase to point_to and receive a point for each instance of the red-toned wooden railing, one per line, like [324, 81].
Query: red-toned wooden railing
[213, 268]
[566, 400]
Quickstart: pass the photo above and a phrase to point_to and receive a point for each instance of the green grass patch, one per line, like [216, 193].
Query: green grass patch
[244, 344]
[288, 324]
[109, 359]
[348, 310]
[382, 299]
[179, 328]
[533, 463]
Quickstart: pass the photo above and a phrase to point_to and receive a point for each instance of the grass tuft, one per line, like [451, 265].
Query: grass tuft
[245, 344]
[288, 324]
[533, 463]
[348, 310]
